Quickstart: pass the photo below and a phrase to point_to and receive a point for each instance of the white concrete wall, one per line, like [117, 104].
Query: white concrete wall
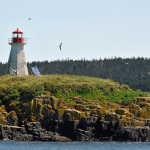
[17, 60]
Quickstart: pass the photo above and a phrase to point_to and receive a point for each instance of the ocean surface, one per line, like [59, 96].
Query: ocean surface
[12, 145]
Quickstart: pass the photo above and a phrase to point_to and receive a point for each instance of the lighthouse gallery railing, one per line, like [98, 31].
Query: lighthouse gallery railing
[10, 41]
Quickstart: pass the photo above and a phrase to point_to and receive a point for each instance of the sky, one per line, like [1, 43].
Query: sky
[90, 29]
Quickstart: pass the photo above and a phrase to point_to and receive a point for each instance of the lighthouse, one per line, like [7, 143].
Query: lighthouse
[17, 62]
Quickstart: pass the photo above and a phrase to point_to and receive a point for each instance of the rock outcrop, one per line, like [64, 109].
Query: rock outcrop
[30, 132]
[47, 118]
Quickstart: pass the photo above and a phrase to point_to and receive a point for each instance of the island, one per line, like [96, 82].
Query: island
[71, 108]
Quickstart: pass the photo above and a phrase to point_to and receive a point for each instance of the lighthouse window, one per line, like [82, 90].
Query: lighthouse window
[14, 35]
[19, 35]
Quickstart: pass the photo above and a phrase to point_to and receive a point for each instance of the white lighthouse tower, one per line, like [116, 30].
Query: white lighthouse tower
[17, 62]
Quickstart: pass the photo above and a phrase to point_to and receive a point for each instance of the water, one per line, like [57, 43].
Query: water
[12, 145]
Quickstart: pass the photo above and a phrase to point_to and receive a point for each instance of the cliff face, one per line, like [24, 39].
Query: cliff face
[52, 108]
[47, 118]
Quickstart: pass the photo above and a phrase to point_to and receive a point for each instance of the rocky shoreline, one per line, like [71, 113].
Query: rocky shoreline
[47, 118]
[87, 129]
[31, 132]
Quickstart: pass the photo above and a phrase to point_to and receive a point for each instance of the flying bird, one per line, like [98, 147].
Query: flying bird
[60, 46]
[29, 19]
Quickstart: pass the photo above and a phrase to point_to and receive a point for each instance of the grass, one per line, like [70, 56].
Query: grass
[64, 86]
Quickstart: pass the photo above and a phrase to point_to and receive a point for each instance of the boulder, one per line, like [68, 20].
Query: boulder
[54, 102]
[144, 114]
[122, 111]
[112, 117]
[137, 134]
[59, 114]
[74, 114]
[12, 118]
[80, 107]
[14, 133]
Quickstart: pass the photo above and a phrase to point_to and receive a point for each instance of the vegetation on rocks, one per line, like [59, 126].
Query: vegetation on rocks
[17, 90]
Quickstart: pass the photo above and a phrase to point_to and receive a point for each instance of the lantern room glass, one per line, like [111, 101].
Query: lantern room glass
[17, 35]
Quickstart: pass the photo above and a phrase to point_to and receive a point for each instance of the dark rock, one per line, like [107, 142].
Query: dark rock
[14, 133]
[40, 134]
[136, 134]
[68, 128]
[83, 135]
[85, 129]
[12, 119]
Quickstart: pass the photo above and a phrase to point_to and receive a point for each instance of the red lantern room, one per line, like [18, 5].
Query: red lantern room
[17, 37]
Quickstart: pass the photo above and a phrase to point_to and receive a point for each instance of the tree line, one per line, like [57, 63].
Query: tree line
[134, 72]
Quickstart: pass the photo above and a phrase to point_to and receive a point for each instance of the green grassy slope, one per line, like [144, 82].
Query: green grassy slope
[23, 89]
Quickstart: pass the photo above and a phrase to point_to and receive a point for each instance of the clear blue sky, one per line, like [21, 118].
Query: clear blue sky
[88, 29]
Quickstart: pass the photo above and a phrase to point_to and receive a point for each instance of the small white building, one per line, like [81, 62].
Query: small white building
[17, 64]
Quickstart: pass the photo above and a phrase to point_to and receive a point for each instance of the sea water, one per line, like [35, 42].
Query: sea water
[12, 145]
